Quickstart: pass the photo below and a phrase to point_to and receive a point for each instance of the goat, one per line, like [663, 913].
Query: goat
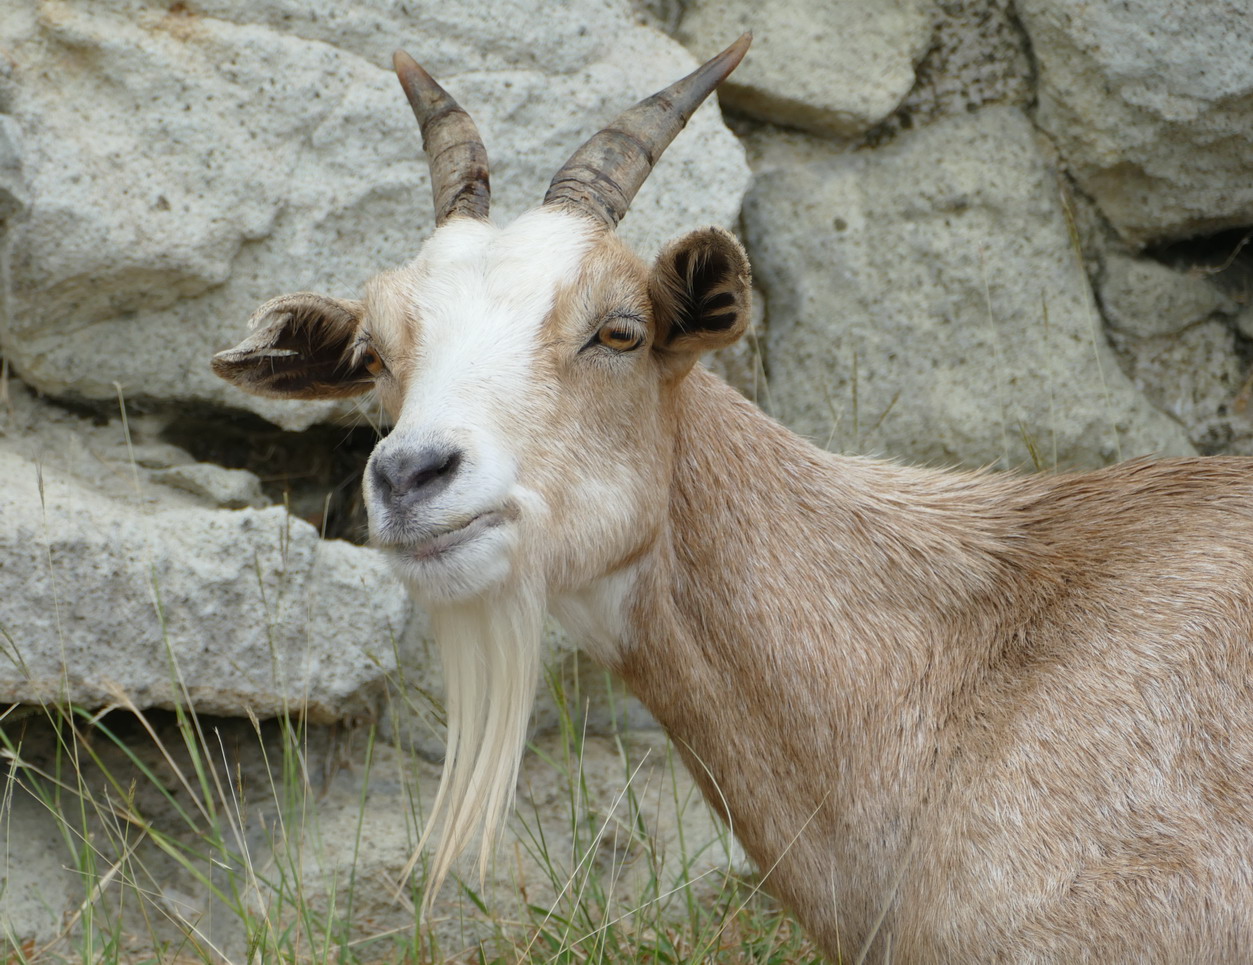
[953, 716]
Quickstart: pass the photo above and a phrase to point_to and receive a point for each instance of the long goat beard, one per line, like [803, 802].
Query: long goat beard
[491, 651]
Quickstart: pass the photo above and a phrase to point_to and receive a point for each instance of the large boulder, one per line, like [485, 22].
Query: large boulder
[1151, 104]
[926, 300]
[166, 168]
[837, 67]
[110, 602]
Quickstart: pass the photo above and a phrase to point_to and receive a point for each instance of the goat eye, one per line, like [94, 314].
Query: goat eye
[372, 361]
[619, 335]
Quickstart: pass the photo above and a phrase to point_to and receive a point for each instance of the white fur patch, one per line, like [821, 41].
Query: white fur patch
[480, 296]
[491, 655]
[596, 615]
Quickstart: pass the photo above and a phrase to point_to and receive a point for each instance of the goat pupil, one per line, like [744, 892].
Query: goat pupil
[615, 338]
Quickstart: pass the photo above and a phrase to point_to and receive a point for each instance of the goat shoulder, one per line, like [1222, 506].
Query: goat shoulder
[991, 713]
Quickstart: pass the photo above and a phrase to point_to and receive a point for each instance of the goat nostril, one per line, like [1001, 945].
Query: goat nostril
[437, 469]
[382, 481]
[415, 476]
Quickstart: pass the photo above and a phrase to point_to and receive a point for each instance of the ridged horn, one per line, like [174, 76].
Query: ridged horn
[604, 174]
[453, 147]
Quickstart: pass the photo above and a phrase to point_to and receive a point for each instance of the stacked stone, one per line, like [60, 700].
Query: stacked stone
[983, 233]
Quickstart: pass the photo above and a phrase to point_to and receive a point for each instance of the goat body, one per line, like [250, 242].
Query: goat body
[969, 717]
[952, 717]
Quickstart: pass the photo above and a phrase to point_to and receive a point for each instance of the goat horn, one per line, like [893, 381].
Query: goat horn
[603, 175]
[453, 147]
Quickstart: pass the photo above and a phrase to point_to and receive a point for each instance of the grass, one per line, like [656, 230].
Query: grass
[186, 839]
[167, 836]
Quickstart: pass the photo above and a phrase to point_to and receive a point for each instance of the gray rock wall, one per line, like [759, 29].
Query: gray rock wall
[925, 300]
[170, 165]
[983, 232]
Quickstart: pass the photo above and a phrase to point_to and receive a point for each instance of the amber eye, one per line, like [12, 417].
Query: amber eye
[372, 361]
[621, 334]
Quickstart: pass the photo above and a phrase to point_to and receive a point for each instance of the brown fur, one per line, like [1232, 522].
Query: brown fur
[1011, 717]
[953, 717]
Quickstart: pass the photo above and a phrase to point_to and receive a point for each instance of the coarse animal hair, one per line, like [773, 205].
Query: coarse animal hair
[952, 716]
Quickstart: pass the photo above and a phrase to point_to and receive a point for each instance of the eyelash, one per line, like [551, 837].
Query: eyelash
[630, 326]
[366, 351]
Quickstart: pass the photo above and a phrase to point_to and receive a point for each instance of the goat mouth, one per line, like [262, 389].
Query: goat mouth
[455, 536]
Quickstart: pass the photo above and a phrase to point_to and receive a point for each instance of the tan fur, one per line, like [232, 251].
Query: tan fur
[953, 717]
[1003, 718]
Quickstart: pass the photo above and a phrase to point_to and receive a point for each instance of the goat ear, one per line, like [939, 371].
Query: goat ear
[301, 347]
[701, 293]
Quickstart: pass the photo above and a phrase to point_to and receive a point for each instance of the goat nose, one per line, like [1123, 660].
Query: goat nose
[410, 476]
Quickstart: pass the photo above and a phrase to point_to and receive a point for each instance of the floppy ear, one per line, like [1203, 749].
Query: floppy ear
[701, 292]
[302, 347]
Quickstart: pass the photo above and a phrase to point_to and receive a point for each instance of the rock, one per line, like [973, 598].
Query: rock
[225, 488]
[979, 55]
[12, 192]
[103, 455]
[308, 828]
[180, 164]
[1244, 321]
[37, 889]
[926, 302]
[105, 602]
[1144, 298]
[1151, 104]
[844, 71]
[635, 814]
[1197, 376]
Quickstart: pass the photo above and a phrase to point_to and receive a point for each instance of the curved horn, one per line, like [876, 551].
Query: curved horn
[453, 147]
[603, 175]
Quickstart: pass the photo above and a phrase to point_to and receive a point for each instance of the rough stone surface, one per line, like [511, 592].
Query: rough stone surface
[36, 886]
[979, 55]
[1144, 298]
[104, 601]
[1151, 104]
[845, 71]
[339, 827]
[180, 164]
[1197, 377]
[638, 814]
[925, 302]
[226, 488]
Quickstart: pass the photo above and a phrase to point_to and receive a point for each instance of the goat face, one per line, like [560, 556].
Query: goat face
[530, 374]
[526, 369]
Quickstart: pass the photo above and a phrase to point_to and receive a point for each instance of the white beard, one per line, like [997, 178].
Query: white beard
[491, 650]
